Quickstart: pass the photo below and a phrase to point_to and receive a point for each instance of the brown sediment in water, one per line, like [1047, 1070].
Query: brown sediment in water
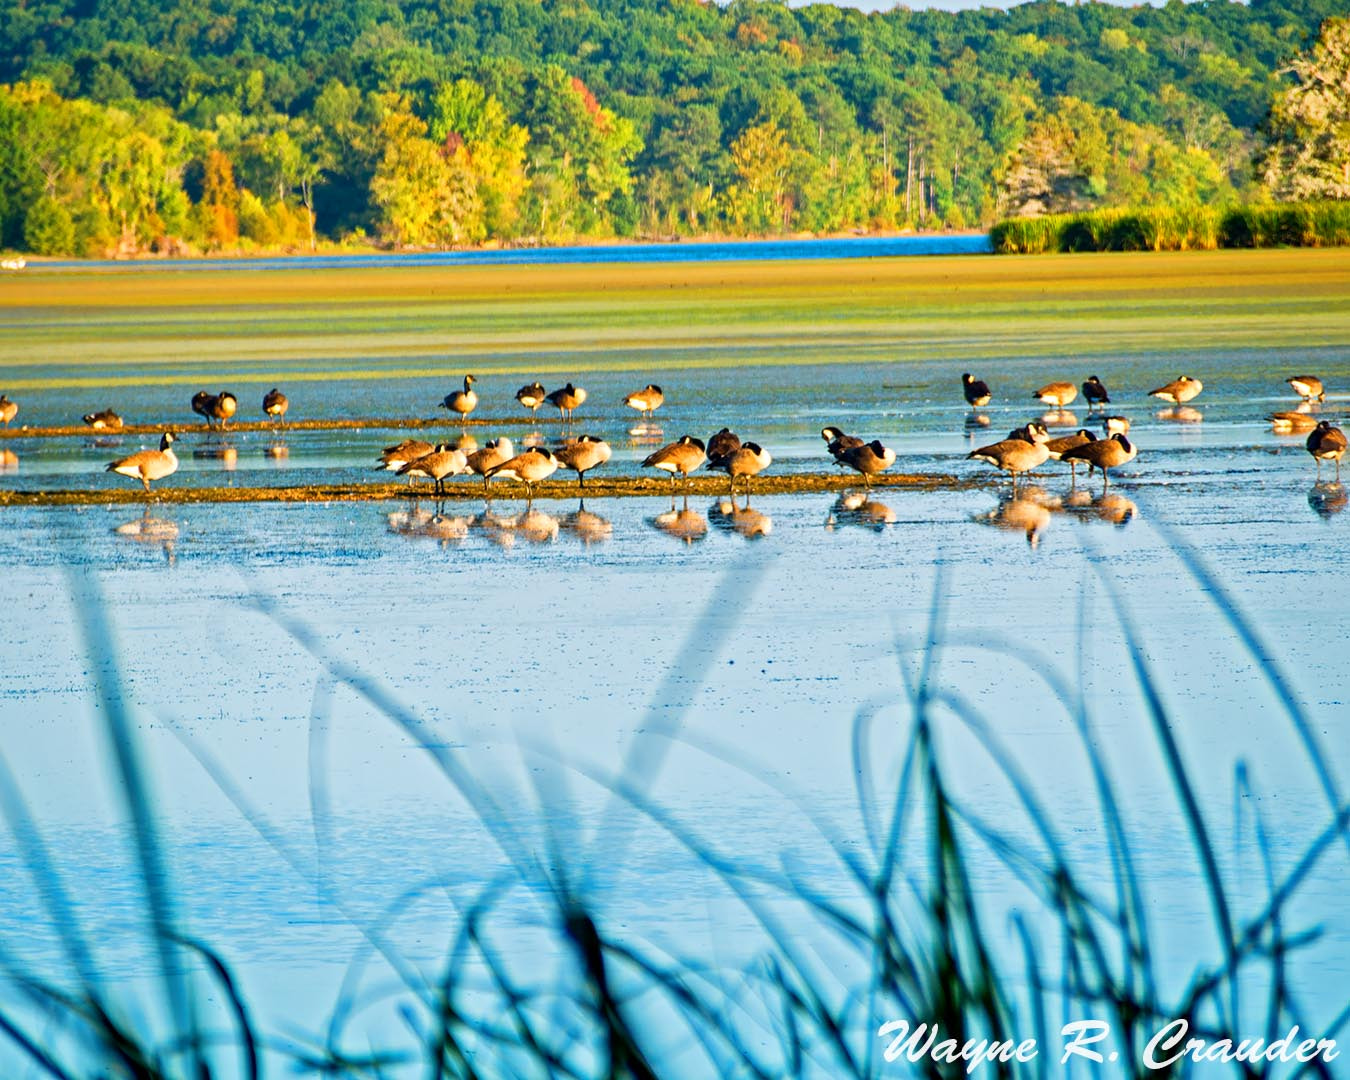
[472, 490]
[273, 428]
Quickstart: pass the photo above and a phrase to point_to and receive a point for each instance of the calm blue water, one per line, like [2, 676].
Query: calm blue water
[693, 251]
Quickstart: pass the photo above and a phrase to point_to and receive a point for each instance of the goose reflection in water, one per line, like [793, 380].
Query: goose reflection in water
[975, 423]
[533, 439]
[464, 443]
[277, 454]
[1327, 498]
[152, 532]
[743, 520]
[9, 461]
[532, 526]
[1059, 418]
[1181, 414]
[587, 527]
[858, 508]
[646, 435]
[227, 455]
[1029, 512]
[684, 524]
[1114, 509]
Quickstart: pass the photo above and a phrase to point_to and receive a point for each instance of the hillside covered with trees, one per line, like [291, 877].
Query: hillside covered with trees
[130, 126]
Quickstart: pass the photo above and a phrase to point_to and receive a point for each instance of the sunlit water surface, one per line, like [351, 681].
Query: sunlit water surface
[540, 646]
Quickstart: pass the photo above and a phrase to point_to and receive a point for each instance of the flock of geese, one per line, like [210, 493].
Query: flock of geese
[1025, 449]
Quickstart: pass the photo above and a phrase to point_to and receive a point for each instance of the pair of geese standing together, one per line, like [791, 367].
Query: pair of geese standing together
[566, 400]
[724, 452]
[222, 407]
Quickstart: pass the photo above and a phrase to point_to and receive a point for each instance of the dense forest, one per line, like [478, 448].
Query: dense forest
[133, 126]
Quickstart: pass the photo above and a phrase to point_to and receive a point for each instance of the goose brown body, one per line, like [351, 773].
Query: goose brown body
[723, 443]
[1057, 394]
[494, 452]
[532, 396]
[1327, 443]
[1308, 387]
[582, 454]
[147, 465]
[1179, 391]
[443, 462]
[8, 410]
[867, 459]
[683, 457]
[1104, 454]
[976, 391]
[567, 399]
[462, 402]
[647, 400]
[534, 465]
[1021, 452]
[107, 420]
[275, 403]
[746, 460]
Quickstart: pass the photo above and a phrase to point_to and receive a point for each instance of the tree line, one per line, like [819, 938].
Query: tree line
[220, 125]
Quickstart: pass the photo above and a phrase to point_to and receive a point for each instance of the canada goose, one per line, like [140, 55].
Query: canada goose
[868, 459]
[149, 465]
[747, 460]
[1057, 447]
[836, 442]
[107, 420]
[583, 454]
[1103, 454]
[976, 391]
[462, 402]
[275, 404]
[223, 406]
[1308, 387]
[566, 400]
[532, 396]
[8, 410]
[1291, 423]
[685, 525]
[393, 458]
[1179, 391]
[441, 462]
[646, 401]
[1057, 394]
[1021, 452]
[1095, 393]
[1116, 425]
[681, 457]
[494, 452]
[534, 465]
[723, 443]
[1327, 443]
[202, 403]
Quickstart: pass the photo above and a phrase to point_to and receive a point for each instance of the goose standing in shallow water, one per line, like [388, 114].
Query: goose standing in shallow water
[681, 457]
[107, 420]
[147, 465]
[1308, 387]
[1095, 393]
[494, 452]
[746, 460]
[275, 404]
[867, 459]
[836, 443]
[1104, 454]
[1179, 391]
[1057, 394]
[646, 401]
[567, 400]
[532, 396]
[1327, 443]
[202, 403]
[582, 454]
[723, 443]
[223, 406]
[462, 402]
[529, 468]
[8, 410]
[1058, 447]
[393, 458]
[442, 462]
[976, 391]
[1021, 452]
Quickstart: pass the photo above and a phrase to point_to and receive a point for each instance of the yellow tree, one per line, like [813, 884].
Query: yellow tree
[761, 157]
[1309, 157]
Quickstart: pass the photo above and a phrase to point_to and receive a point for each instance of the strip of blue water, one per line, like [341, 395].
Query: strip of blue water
[869, 247]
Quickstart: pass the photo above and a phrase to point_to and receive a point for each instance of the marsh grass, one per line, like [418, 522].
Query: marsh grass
[901, 931]
[1180, 228]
